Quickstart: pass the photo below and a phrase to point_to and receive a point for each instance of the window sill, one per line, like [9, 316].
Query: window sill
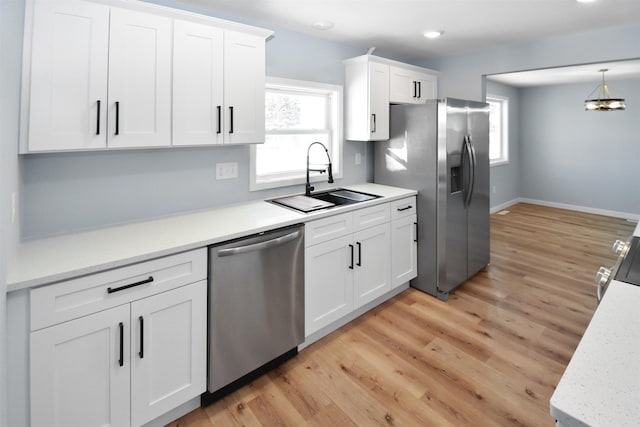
[498, 163]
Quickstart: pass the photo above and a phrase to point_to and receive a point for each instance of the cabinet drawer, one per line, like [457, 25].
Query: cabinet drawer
[368, 217]
[71, 299]
[403, 207]
[328, 228]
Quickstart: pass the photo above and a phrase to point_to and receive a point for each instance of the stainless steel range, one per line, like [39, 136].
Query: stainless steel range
[626, 269]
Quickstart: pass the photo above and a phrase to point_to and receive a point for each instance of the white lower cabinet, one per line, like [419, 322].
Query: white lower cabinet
[328, 283]
[124, 365]
[347, 264]
[76, 377]
[372, 267]
[404, 241]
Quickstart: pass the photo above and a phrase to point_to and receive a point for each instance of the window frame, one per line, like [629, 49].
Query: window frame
[504, 131]
[335, 115]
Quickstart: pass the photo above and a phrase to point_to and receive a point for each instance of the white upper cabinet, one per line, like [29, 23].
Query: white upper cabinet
[244, 71]
[197, 84]
[102, 77]
[371, 84]
[367, 99]
[69, 62]
[139, 80]
[410, 86]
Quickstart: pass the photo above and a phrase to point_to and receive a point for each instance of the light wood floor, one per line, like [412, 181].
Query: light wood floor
[491, 355]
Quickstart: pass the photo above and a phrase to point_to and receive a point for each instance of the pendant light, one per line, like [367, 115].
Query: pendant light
[603, 102]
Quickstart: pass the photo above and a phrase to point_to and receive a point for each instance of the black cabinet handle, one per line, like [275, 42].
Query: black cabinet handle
[141, 352]
[121, 361]
[231, 116]
[373, 125]
[416, 238]
[359, 263]
[419, 90]
[415, 89]
[98, 119]
[219, 108]
[351, 266]
[111, 290]
[405, 208]
[117, 118]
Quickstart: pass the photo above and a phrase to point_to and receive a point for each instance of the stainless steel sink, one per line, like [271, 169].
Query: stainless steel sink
[323, 200]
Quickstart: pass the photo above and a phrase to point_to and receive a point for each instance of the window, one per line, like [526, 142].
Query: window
[498, 130]
[297, 113]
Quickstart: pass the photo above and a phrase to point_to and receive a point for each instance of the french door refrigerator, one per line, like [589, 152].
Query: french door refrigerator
[441, 149]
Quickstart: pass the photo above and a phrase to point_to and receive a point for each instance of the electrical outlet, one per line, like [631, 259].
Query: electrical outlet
[226, 170]
[358, 158]
[493, 189]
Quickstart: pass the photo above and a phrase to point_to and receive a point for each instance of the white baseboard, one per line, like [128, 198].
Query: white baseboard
[504, 205]
[605, 212]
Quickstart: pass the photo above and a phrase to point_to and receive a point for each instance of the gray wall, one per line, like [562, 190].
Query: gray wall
[506, 180]
[62, 193]
[577, 157]
[11, 13]
[462, 76]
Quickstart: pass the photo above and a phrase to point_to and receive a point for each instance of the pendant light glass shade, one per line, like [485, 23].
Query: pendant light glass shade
[604, 101]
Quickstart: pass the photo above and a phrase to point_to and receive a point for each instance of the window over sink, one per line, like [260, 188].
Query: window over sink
[297, 113]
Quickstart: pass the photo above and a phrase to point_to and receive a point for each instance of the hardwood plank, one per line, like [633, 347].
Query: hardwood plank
[491, 355]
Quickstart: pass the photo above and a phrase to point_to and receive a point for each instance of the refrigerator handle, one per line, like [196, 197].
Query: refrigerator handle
[472, 155]
[466, 155]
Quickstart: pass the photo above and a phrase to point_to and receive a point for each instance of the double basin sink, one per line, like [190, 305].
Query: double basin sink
[323, 200]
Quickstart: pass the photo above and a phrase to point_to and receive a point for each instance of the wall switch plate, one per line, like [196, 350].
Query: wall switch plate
[358, 158]
[493, 189]
[226, 170]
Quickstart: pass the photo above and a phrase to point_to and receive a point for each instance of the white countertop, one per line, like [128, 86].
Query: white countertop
[601, 385]
[49, 260]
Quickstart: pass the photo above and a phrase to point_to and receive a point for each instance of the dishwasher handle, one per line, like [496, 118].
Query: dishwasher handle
[260, 245]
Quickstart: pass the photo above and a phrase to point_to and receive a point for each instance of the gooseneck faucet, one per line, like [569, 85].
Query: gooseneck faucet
[309, 188]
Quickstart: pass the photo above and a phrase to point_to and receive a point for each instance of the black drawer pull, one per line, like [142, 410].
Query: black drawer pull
[359, 263]
[351, 266]
[231, 121]
[111, 290]
[117, 132]
[121, 360]
[406, 208]
[416, 238]
[98, 118]
[219, 109]
[141, 352]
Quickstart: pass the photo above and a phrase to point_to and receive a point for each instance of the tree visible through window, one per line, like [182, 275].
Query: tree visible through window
[498, 129]
[297, 114]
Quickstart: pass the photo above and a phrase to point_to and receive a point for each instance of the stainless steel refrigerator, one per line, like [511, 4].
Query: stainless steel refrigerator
[441, 149]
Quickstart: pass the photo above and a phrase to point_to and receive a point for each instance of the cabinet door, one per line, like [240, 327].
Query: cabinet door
[403, 87]
[411, 87]
[378, 101]
[168, 356]
[328, 282]
[404, 255]
[372, 276]
[197, 84]
[139, 79]
[69, 61]
[80, 371]
[244, 81]
[428, 87]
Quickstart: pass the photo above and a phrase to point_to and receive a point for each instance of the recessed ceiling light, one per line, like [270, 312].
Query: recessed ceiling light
[586, 1]
[322, 25]
[433, 34]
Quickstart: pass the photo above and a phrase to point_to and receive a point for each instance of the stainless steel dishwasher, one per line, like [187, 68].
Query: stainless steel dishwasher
[256, 305]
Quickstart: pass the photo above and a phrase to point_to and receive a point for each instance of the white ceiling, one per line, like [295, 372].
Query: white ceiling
[576, 74]
[395, 27]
